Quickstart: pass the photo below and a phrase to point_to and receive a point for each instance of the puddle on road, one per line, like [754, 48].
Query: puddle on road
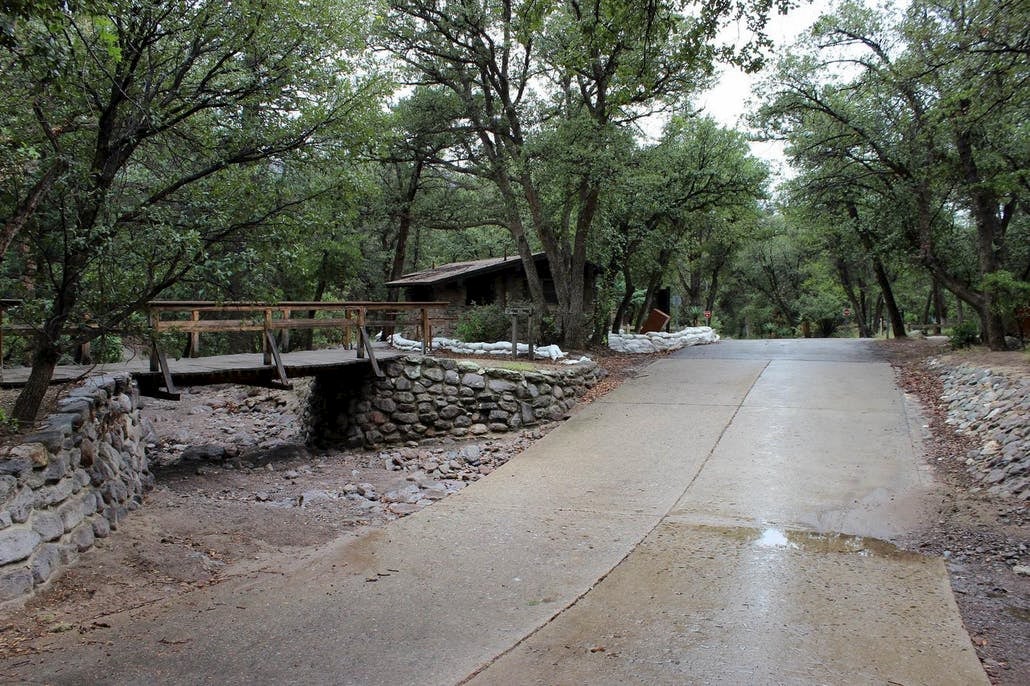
[773, 538]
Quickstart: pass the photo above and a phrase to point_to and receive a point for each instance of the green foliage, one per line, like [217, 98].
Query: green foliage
[550, 332]
[1009, 292]
[16, 350]
[964, 335]
[924, 131]
[550, 93]
[107, 349]
[8, 424]
[483, 324]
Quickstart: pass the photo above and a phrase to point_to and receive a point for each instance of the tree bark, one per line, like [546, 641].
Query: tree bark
[849, 289]
[627, 298]
[44, 361]
[13, 225]
[990, 234]
[882, 279]
[938, 307]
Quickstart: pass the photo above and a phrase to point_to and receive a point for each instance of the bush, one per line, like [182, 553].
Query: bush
[549, 332]
[964, 335]
[483, 324]
[16, 350]
[107, 349]
[8, 424]
[1010, 293]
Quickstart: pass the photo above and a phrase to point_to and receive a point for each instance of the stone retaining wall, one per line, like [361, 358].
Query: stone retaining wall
[425, 397]
[994, 407]
[70, 483]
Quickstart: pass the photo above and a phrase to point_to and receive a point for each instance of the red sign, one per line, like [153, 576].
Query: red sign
[847, 311]
[708, 314]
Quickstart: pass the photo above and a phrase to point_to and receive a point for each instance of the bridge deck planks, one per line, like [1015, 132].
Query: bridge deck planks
[214, 369]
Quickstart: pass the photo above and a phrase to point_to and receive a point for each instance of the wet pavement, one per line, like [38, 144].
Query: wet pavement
[722, 519]
[772, 567]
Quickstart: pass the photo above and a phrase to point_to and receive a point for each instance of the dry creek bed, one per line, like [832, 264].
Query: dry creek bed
[236, 491]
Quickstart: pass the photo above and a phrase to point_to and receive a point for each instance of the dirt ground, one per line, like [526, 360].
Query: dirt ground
[237, 491]
[981, 536]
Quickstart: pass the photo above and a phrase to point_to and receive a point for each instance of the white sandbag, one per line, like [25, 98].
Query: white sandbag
[661, 341]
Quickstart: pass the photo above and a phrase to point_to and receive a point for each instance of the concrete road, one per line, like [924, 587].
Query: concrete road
[720, 519]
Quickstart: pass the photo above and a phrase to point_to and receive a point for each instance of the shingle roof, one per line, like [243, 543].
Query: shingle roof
[457, 270]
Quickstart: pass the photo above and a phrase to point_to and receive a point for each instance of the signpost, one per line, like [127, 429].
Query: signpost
[708, 317]
[516, 311]
[847, 311]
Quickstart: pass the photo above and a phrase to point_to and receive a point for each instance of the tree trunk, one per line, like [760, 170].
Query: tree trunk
[400, 250]
[518, 232]
[307, 338]
[713, 288]
[14, 224]
[627, 298]
[882, 279]
[938, 307]
[891, 305]
[990, 232]
[856, 303]
[44, 361]
[645, 307]
[925, 319]
[575, 335]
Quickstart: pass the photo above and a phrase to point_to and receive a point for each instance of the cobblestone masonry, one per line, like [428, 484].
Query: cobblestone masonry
[994, 407]
[424, 397]
[70, 483]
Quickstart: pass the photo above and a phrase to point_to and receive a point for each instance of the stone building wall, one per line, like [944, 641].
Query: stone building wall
[424, 397]
[70, 483]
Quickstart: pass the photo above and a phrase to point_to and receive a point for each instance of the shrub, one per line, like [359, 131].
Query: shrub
[483, 324]
[964, 335]
[549, 332]
[107, 349]
[8, 424]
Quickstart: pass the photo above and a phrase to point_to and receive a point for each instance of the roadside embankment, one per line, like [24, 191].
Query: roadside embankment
[992, 406]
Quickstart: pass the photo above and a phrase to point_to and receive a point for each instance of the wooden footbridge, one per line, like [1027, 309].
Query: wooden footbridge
[347, 323]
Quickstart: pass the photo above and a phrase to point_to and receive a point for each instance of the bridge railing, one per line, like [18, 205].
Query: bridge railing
[351, 318]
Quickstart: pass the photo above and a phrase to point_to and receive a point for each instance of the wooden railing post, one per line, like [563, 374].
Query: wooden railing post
[427, 335]
[155, 360]
[361, 327]
[194, 335]
[264, 339]
[284, 340]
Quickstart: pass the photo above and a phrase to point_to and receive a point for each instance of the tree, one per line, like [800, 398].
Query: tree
[170, 126]
[573, 74]
[685, 200]
[421, 132]
[924, 115]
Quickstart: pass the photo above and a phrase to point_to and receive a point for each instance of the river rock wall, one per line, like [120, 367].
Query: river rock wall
[70, 483]
[425, 397]
[994, 407]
